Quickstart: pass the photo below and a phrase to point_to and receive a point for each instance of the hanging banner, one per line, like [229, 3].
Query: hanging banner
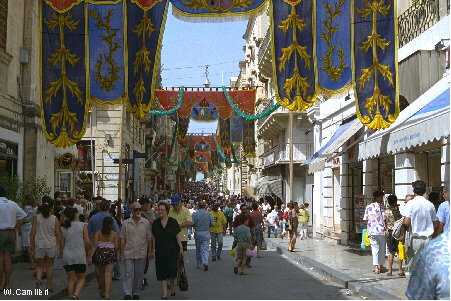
[204, 111]
[243, 99]
[375, 68]
[105, 34]
[201, 158]
[182, 127]
[293, 52]
[237, 129]
[144, 33]
[214, 158]
[333, 45]
[249, 137]
[216, 10]
[64, 107]
[201, 166]
[206, 155]
[224, 133]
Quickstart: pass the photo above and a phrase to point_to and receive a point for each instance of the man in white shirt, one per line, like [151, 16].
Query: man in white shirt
[12, 218]
[420, 214]
[265, 205]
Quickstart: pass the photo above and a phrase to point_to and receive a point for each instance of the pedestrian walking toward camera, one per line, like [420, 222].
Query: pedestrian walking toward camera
[202, 221]
[44, 238]
[217, 232]
[303, 219]
[104, 248]
[73, 248]
[12, 218]
[167, 245]
[30, 209]
[420, 214]
[443, 214]
[293, 222]
[243, 235]
[375, 215]
[135, 241]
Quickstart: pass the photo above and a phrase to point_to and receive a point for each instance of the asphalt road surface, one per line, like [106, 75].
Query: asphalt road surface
[272, 277]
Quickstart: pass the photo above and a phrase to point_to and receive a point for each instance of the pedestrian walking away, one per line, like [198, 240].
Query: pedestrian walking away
[217, 232]
[12, 218]
[202, 221]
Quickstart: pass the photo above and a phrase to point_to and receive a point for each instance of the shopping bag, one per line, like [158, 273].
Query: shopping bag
[264, 245]
[183, 281]
[401, 251]
[251, 253]
[367, 239]
[362, 244]
[232, 253]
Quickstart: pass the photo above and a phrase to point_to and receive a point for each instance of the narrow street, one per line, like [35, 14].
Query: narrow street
[273, 276]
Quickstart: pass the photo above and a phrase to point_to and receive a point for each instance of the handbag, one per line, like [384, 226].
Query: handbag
[251, 253]
[183, 283]
[232, 253]
[367, 239]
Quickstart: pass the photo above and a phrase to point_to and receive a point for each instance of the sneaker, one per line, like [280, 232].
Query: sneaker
[135, 297]
[115, 278]
[213, 259]
[128, 297]
[218, 257]
[38, 284]
[205, 267]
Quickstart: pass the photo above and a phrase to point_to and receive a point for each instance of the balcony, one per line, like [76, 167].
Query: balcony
[280, 154]
[418, 18]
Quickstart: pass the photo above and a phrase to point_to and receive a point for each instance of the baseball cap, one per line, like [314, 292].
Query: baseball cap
[175, 199]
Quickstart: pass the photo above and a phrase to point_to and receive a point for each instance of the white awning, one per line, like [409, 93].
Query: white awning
[424, 120]
[317, 162]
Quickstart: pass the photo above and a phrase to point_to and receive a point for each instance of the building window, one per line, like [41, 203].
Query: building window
[65, 184]
[3, 23]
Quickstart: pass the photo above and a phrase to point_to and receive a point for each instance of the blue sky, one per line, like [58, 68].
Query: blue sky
[188, 47]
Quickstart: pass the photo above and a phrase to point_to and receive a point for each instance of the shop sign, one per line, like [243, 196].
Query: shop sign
[112, 176]
[66, 159]
[8, 148]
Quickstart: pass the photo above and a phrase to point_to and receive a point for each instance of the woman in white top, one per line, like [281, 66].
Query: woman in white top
[30, 209]
[74, 247]
[44, 238]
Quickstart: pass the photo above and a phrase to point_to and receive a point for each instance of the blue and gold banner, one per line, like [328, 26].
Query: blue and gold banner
[237, 129]
[333, 45]
[375, 69]
[249, 137]
[144, 33]
[224, 133]
[182, 127]
[64, 107]
[106, 52]
[293, 53]
[216, 10]
[214, 157]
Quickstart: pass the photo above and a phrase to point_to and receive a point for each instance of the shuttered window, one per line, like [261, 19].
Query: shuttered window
[3, 22]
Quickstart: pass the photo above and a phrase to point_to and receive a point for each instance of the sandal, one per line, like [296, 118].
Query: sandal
[102, 295]
[389, 274]
[235, 270]
[30, 268]
[402, 274]
[74, 297]
[243, 273]
[173, 295]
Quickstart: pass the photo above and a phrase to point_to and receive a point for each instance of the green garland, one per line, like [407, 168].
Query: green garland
[169, 112]
[244, 115]
[174, 134]
[235, 160]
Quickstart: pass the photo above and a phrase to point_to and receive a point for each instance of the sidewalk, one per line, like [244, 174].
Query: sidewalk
[348, 266]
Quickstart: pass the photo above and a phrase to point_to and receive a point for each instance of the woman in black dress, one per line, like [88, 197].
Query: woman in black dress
[167, 246]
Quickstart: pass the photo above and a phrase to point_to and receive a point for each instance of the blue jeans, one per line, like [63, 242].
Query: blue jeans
[202, 239]
[271, 229]
[216, 237]
[282, 226]
[190, 231]
[117, 267]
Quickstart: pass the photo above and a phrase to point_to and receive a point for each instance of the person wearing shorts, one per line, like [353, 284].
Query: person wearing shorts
[243, 235]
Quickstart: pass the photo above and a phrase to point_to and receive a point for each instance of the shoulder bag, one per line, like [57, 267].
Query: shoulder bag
[183, 283]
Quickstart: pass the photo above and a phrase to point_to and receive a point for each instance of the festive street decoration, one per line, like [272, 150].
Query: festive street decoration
[375, 68]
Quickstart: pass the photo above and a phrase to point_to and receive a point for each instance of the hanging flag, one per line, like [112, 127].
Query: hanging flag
[216, 10]
[182, 127]
[375, 69]
[106, 70]
[333, 45]
[293, 52]
[249, 137]
[64, 107]
[237, 129]
[214, 158]
[224, 133]
[145, 20]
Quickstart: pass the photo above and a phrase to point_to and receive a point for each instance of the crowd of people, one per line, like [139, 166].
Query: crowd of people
[104, 234]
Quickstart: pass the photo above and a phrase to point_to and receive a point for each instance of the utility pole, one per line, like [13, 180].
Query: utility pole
[291, 156]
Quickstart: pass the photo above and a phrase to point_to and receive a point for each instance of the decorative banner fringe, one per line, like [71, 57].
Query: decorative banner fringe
[173, 110]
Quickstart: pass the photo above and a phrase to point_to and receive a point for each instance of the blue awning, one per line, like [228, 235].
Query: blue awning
[318, 161]
[426, 119]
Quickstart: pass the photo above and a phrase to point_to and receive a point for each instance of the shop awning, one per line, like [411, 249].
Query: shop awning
[317, 162]
[424, 120]
[268, 186]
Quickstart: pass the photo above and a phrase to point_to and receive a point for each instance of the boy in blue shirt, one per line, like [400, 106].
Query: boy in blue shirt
[243, 234]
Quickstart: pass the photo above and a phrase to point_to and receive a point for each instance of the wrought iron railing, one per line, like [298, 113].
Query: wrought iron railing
[280, 153]
[416, 19]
